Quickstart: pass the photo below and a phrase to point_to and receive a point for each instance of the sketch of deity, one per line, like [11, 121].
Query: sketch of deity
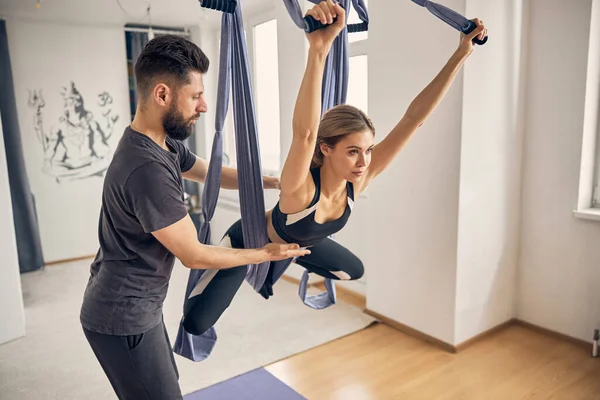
[76, 145]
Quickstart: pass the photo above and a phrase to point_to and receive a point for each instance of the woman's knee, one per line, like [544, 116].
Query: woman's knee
[357, 270]
[353, 270]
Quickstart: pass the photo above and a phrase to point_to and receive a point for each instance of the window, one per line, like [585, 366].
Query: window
[266, 104]
[229, 151]
[588, 199]
[358, 73]
[358, 83]
[592, 118]
[596, 190]
[358, 76]
[267, 94]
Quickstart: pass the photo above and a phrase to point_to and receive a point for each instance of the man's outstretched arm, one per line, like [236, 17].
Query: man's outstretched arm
[229, 179]
[182, 240]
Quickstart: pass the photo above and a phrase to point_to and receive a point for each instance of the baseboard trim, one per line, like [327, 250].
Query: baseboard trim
[66, 260]
[411, 331]
[292, 280]
[484, 335]
[545, 331]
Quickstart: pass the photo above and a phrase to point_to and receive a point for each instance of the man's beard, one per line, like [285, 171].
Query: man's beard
[175, 126]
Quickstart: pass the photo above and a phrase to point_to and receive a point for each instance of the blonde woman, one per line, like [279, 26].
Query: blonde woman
[332, 159]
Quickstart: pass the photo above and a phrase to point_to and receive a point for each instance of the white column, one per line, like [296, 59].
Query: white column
[413, 230]
[490, 172]
[12, 313]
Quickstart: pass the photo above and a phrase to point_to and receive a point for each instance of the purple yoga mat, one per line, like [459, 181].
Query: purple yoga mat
[253, 385]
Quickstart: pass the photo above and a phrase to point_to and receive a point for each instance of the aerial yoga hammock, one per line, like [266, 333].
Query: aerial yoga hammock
[234, 70]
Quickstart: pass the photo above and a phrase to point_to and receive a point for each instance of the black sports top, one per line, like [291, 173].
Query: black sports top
[301, 227]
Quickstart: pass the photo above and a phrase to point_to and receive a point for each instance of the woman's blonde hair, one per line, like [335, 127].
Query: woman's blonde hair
[337, 123]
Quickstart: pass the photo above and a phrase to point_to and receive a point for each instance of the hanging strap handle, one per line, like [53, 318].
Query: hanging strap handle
[227, 6]
[470, 29]
[312, 25]
[451, 17]
[309, 24]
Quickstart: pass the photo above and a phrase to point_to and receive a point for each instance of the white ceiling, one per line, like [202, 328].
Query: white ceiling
[108, 12]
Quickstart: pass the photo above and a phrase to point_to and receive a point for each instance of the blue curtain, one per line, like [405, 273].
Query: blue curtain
[26, 225]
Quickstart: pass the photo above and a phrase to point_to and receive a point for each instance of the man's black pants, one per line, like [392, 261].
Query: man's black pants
[140, 366]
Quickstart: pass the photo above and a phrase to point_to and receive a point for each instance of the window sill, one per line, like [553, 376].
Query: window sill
[588, 213]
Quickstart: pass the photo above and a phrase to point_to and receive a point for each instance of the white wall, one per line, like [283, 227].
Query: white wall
[448, 242]
[48, 57]
[413, 226]
[11, 300]
[559, 273]
[488, 232]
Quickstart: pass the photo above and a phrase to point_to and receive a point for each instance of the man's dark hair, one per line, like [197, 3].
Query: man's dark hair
[171, 58]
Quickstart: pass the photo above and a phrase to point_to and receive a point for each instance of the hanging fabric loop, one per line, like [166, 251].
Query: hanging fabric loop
[199, 347]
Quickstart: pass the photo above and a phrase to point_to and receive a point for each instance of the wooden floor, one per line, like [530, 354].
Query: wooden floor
[382, 363]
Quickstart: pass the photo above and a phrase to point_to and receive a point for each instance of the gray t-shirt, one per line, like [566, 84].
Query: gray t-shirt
[143, 192]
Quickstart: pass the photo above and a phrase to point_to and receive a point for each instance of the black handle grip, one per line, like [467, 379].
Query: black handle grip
[227, 6]
[470, 29]
[361, 27]
[311, 25]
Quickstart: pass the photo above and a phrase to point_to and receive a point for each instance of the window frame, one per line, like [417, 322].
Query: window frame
[264, 18]
[360, 48]
[588, 199]
[230, 198]
[595, 200]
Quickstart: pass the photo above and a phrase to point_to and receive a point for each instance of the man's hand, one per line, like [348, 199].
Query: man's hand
[181, 239]
[271, 182]
[277, 251]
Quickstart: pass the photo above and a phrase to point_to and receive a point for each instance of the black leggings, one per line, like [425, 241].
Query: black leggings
[216, 288]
